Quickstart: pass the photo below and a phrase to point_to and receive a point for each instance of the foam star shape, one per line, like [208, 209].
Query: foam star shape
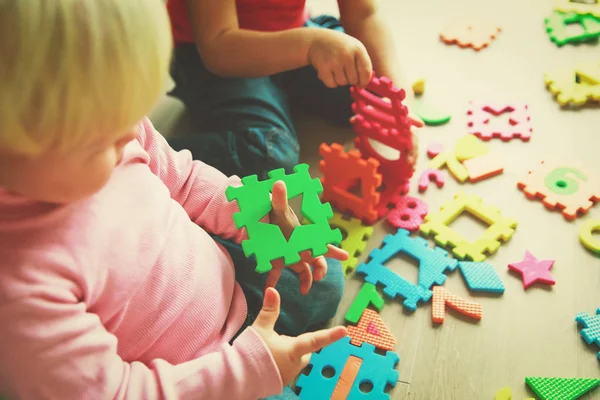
[533, 270]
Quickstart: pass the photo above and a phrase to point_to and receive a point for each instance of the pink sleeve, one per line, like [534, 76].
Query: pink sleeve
[52, 348]
[198, 187]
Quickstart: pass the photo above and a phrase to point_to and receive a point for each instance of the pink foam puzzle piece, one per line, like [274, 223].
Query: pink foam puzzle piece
[372, 329]
[429, 175]
[516, 124]
[533, 270]
[408, 213]
[434, 149]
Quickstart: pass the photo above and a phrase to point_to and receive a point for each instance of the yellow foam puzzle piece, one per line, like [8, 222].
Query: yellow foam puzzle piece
[563, 84]
[500, 228]
[355, 241]
[418, 87]
[468, 147]
[577, 7]
[586, 235]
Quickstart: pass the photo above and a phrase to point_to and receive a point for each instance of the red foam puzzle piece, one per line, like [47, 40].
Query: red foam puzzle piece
[371, 329]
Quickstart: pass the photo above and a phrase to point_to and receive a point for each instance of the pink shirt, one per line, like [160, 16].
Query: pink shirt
[125, 295]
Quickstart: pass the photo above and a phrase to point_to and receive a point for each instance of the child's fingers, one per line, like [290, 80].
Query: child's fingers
[319, 268]
[310, 342]
[336, 252]
[340, 76]
[302, 269]
[273, 276]
[364, 68]
[279, 199]
[351, 74]
[270, 310]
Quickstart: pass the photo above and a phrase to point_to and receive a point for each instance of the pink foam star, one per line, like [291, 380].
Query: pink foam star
[533, 270]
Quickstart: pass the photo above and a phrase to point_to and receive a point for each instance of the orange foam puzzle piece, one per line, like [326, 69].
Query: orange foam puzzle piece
[339, 170]
[476, 35]
[563, 186]
[484, 167]
[347, 378]
[371, 329]
[442, 298]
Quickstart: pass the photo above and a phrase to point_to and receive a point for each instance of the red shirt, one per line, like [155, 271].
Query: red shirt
[258, 15]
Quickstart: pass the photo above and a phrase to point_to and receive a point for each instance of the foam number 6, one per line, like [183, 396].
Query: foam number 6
[408, 213]
[559, 182]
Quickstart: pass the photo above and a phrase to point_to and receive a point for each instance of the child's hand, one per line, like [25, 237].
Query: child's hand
[291, 354]
[340, 59]
[283, 216]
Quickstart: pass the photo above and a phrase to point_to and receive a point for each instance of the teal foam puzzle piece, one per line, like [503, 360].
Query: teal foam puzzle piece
[481, 277]
[591, 331]
[379, 370]
[266, 241]
[433, 264]
[557, 27]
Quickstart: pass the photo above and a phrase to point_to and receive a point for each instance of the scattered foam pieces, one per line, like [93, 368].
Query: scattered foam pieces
[476, 35]
[418, 87]
[434, 149]
[583, 7]
[442, 298]
[481, 277]
[561, 388]
[562, 185]
[430, 115]
[357, 235]
[575, 86]
[482, 118]
[533, 270]
[500, 228]
[586, 235]
[484, 167]
[372, 329]
[466, 147]
[558, 23]
[429, 175]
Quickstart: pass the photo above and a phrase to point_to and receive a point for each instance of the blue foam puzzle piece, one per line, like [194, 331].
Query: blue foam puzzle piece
[379, 370]
[481, 277]
[288, 394]
[591, 331]
[433, 263]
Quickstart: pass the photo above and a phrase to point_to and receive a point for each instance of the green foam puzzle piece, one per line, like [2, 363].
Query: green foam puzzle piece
[556, 26]
[266, 241]
[430, 114]
[367, 295]
[561, 388]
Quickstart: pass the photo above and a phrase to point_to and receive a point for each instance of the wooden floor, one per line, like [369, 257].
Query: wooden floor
[522, 333]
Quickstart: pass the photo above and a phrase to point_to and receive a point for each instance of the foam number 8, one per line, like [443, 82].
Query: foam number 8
[560, 180]
[408, 213]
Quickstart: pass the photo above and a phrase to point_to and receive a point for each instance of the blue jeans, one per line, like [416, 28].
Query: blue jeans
[299, 313]
[243, 126]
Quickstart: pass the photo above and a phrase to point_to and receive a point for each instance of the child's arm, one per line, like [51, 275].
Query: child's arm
[53, 348]
[363, 20]
[198, 187]
[229, 51]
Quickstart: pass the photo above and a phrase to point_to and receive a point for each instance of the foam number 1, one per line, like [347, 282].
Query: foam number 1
[560, 180]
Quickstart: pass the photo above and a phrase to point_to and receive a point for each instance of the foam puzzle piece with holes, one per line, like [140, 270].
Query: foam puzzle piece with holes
[428, 175]
[591, 331]
[562, 185]
[583, 7]
[408, 213]
[500, 228]
[476, 35]
[575, 86]
[517, 124]
[372, 329]
[557, 27]
[266, 241]
[587, 237]
[442, 298]
[339, 168]
[433, 264]
[481, 277]
[379, 370]
[356, 239]
[561, 388]
[367, 295]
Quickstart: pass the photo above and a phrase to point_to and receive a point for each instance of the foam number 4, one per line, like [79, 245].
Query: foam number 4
[560, 180]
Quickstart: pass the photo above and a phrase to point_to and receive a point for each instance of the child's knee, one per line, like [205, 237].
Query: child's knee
[282, 149]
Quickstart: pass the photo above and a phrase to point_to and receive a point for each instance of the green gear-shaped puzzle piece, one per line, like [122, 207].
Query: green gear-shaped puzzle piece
[561, 388]
[556, 26]
[266, 241]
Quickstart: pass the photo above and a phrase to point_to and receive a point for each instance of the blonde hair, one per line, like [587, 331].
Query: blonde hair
[71, 70]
